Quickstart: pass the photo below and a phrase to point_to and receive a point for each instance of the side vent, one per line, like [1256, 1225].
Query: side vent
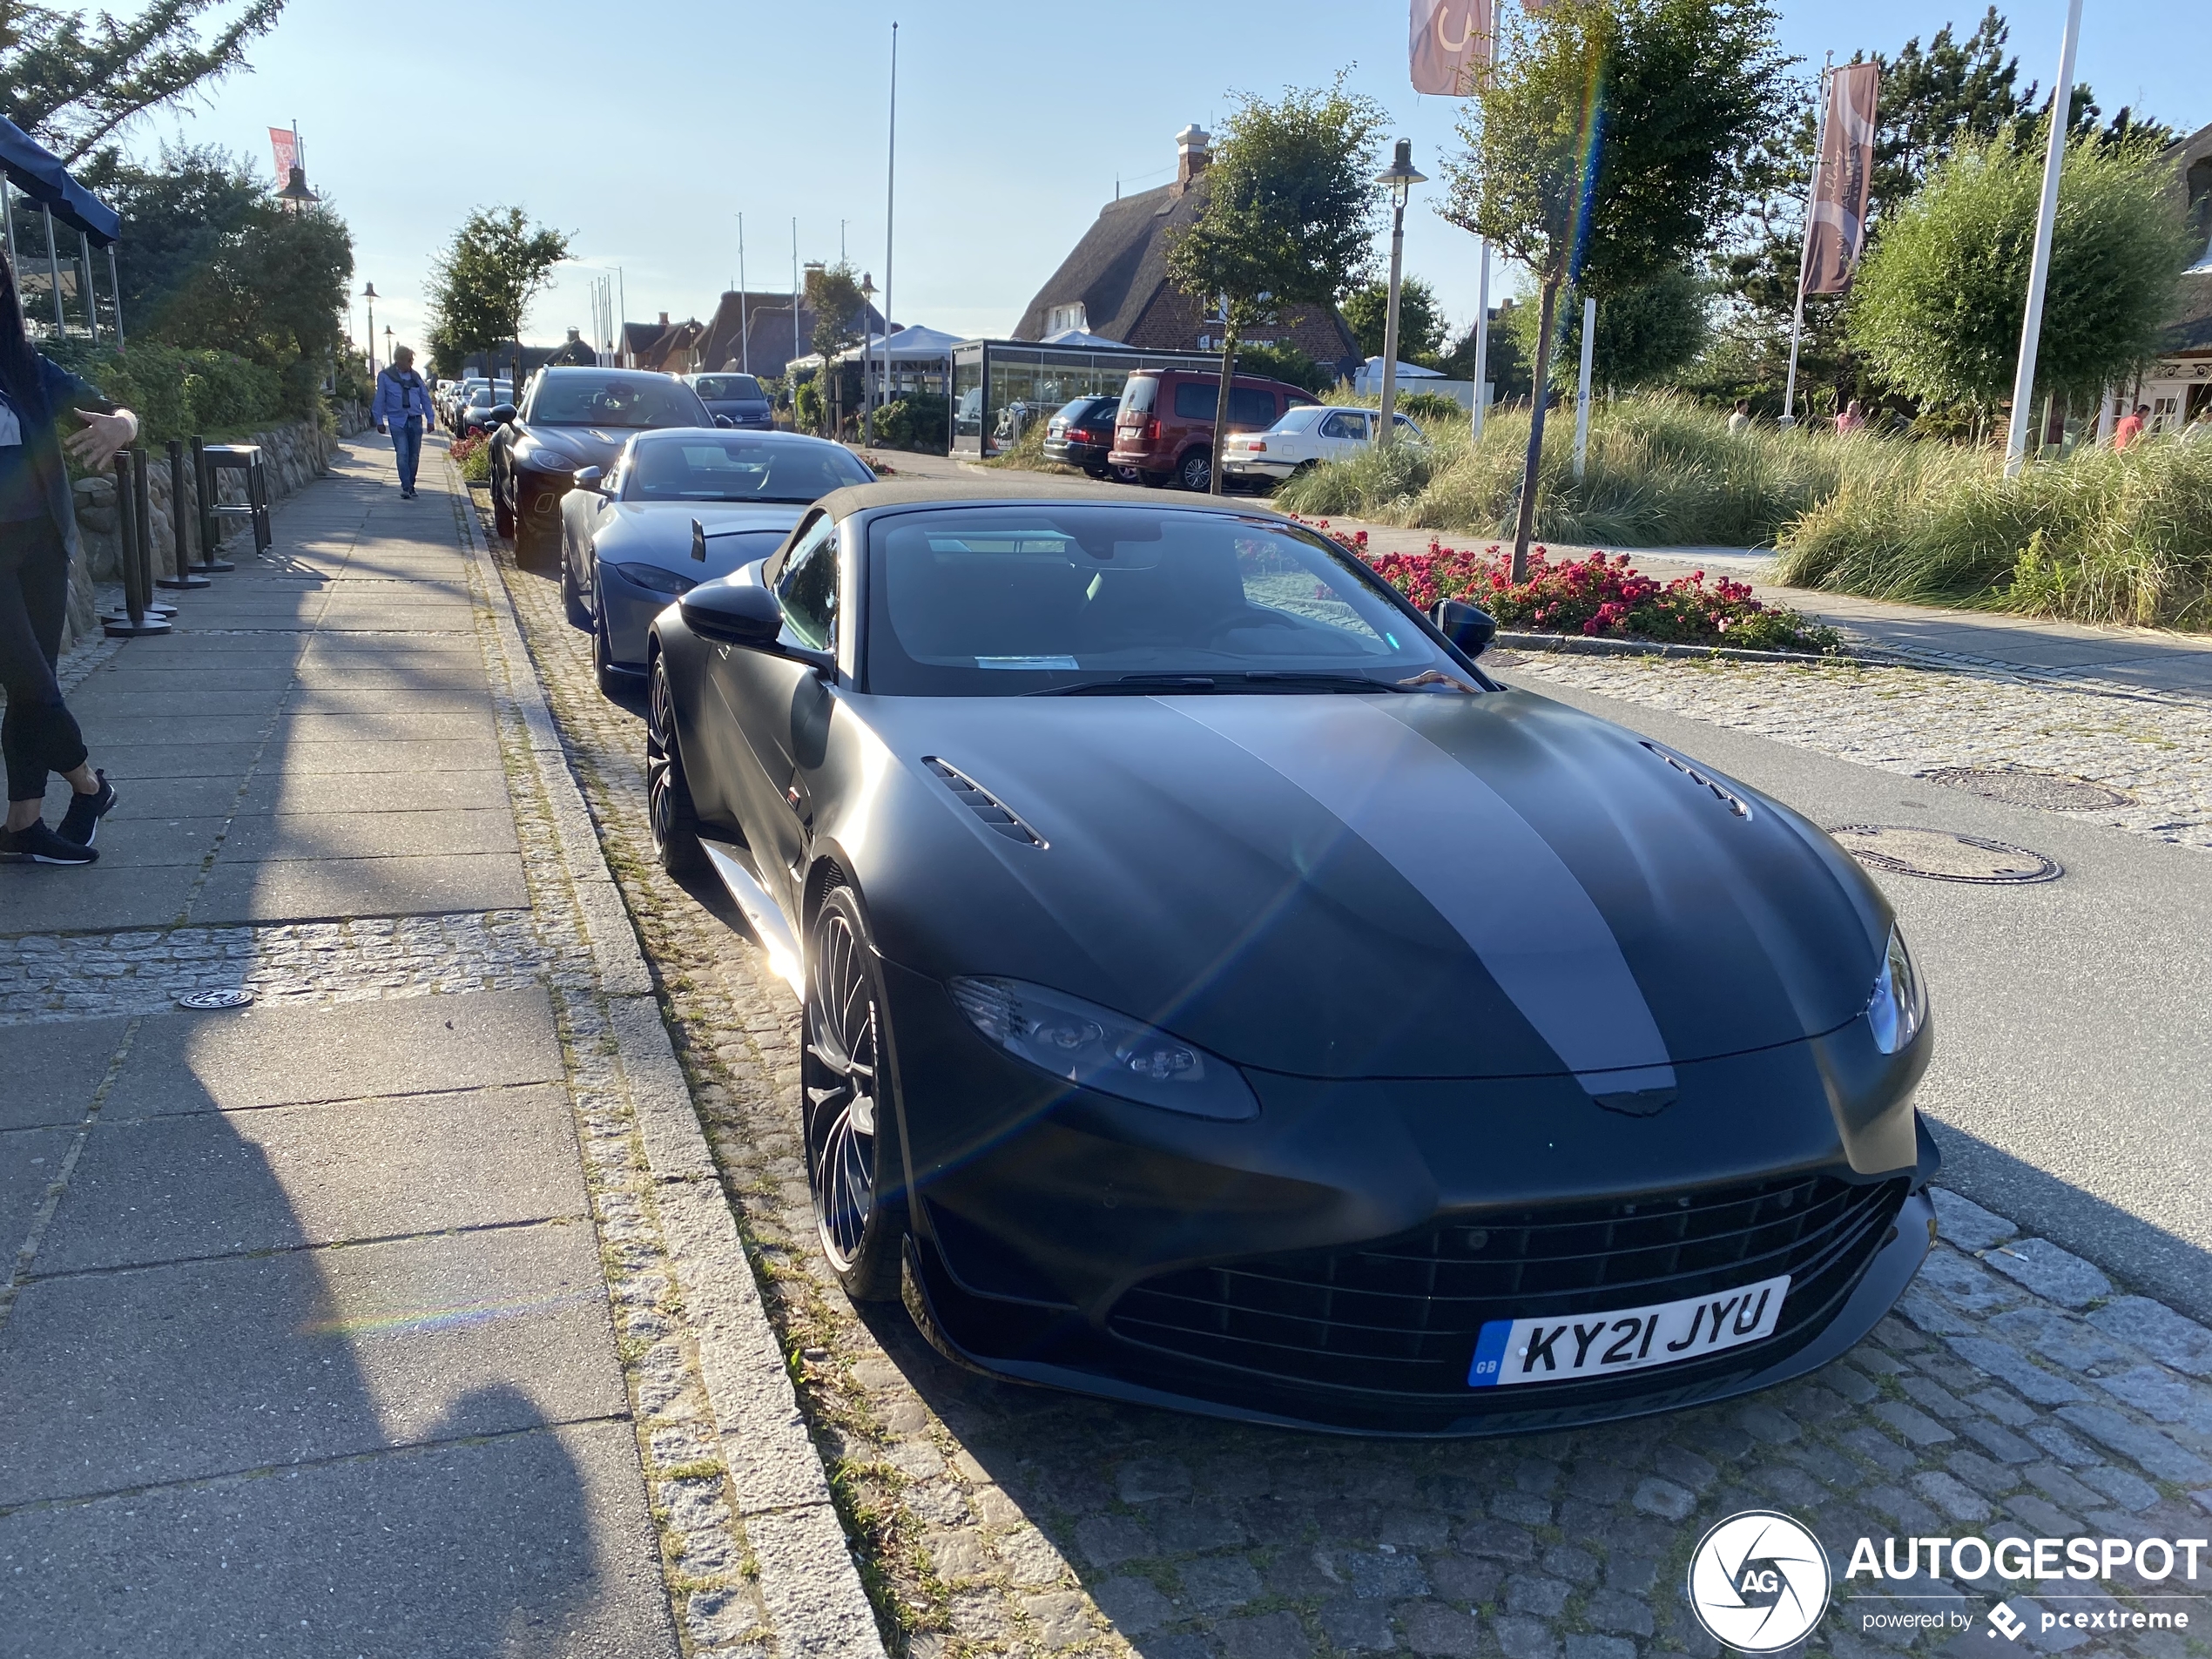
[1727, 797]
[986, 805]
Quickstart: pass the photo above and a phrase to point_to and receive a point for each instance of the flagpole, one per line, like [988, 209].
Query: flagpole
[744, 333]
[890, 202]
[1481, 341]
[2038, 271]
[1805, 252]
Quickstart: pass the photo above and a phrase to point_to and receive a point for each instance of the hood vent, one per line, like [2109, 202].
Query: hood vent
[1727, 797]
[985, 806]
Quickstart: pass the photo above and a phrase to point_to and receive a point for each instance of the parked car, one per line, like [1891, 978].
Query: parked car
[572, 418]
[1162, 1040]
[1164, 429]
[735, 401]
[677, 507]
[476, 412]
[1082, 435]
[1306, 436]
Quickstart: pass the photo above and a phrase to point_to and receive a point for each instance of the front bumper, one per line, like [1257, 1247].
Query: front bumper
[627, 614]
[1052, 1225]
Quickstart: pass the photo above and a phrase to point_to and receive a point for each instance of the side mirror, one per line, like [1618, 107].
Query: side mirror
[1465, 625]
[724, 419]
[502, 413]
[590, 478]
[746, 615]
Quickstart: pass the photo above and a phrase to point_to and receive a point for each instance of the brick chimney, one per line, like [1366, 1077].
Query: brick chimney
[663, 319]
[1191, 155]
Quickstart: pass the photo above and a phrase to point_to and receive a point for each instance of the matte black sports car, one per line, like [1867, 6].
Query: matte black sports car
[678, 508]
[1219, 992]
[572, 418]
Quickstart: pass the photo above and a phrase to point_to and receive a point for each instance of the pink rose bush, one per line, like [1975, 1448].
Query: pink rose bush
[1602, 596]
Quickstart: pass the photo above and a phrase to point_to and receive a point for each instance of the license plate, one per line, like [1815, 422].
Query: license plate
[1510, 1351]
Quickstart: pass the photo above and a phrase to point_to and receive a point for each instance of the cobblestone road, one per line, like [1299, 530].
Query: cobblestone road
[2156, 750]
[2020, 1393]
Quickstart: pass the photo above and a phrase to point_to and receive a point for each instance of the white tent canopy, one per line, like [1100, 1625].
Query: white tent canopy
[1078, 337]
[914, 344]
[1367, 378]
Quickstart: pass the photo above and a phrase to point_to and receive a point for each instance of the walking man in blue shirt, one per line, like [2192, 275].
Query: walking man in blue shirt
[403, 409]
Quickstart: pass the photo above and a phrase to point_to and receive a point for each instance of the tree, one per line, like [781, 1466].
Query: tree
[1507, 366]
[1605, 146]
[176, 218]
[481, 286]
[838, 307]
[273, 291]
[1938, 303]
[1643, 334]
[1421, 321]
[72, 78]
[1287, 221]
[1285, 361]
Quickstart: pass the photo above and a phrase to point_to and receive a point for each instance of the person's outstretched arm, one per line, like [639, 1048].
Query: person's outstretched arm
[105, 428]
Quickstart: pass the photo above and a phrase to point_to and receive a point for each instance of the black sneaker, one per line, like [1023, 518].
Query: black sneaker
[81, 821]
[39, 845]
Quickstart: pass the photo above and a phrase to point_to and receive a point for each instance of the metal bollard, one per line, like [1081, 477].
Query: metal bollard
[211, 542]
[185, 575]
[133, 621]
[142, 482]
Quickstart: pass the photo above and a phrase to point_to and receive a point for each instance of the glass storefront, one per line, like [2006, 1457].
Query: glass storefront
[1000, 385]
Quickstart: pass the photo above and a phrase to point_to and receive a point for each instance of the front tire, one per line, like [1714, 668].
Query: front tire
[851, 1153]
[502, 516]
[613, 681]
[674, 819]
[571, 597]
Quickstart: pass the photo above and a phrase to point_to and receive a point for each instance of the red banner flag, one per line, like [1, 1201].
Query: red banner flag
[1450, 44]
[1837, 229]
[285, 144]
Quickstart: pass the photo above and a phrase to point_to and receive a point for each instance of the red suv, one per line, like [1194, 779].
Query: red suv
[1164, 427]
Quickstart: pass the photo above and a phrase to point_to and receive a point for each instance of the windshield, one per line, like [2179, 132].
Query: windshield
[729, 388]
[995, 600]
[616, 400]
[716, 468]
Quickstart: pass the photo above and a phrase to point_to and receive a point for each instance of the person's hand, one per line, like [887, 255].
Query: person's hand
[95, 444]
[379, 426]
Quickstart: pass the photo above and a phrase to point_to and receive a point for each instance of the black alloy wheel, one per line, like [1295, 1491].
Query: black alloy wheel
[675, 821]
[850, 1138]
[1195, 474]
[613, 681]
[571, 596]
[503, 513]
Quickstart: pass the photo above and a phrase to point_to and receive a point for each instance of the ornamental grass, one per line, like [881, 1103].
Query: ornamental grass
[2099, 535]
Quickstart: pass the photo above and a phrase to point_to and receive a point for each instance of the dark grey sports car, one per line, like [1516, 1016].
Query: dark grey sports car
[1219, 992]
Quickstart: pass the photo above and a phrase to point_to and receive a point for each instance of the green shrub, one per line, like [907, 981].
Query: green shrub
[912, 423]
[178, 394]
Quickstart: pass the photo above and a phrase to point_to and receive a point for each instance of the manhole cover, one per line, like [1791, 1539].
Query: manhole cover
[1941, 855]
[2045, 790]
[215, 1000]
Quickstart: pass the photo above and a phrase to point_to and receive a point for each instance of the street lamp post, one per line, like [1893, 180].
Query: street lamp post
[1399, 178]
[368, 292]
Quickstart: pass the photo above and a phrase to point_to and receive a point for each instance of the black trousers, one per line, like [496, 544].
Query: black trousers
[38, 734]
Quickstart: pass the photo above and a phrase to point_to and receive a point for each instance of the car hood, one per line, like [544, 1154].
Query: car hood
[584, 446]
[660, 532]
[1397, 885]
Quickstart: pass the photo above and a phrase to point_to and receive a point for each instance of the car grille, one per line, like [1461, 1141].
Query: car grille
[1400, 1315]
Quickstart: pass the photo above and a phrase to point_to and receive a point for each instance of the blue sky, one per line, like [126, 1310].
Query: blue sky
[1014, 121]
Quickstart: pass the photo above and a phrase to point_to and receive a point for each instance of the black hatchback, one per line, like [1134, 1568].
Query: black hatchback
[1082, 433]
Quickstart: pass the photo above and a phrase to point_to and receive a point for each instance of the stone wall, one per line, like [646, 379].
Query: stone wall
[292, 456]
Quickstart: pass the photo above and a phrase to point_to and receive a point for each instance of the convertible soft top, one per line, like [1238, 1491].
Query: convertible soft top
[1014, 489]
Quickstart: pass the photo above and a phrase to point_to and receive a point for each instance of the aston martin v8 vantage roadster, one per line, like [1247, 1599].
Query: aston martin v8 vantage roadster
[1219, 992]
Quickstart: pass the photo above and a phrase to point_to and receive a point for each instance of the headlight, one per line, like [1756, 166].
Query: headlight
[1900, 1006]
[1104, 1050]
[651, 576]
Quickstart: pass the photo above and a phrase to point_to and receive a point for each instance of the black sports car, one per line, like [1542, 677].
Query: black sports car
[572, 418]
[1219, 992]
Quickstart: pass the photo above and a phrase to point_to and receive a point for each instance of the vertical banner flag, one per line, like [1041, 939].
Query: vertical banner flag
[1839, 226]
[286, 144]
[1450, 44]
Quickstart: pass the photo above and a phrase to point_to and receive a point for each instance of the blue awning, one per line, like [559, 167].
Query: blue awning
[39, 174]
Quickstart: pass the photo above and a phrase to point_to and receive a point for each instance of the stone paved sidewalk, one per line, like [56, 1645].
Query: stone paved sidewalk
[2020, 1389]
[379, 1318]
